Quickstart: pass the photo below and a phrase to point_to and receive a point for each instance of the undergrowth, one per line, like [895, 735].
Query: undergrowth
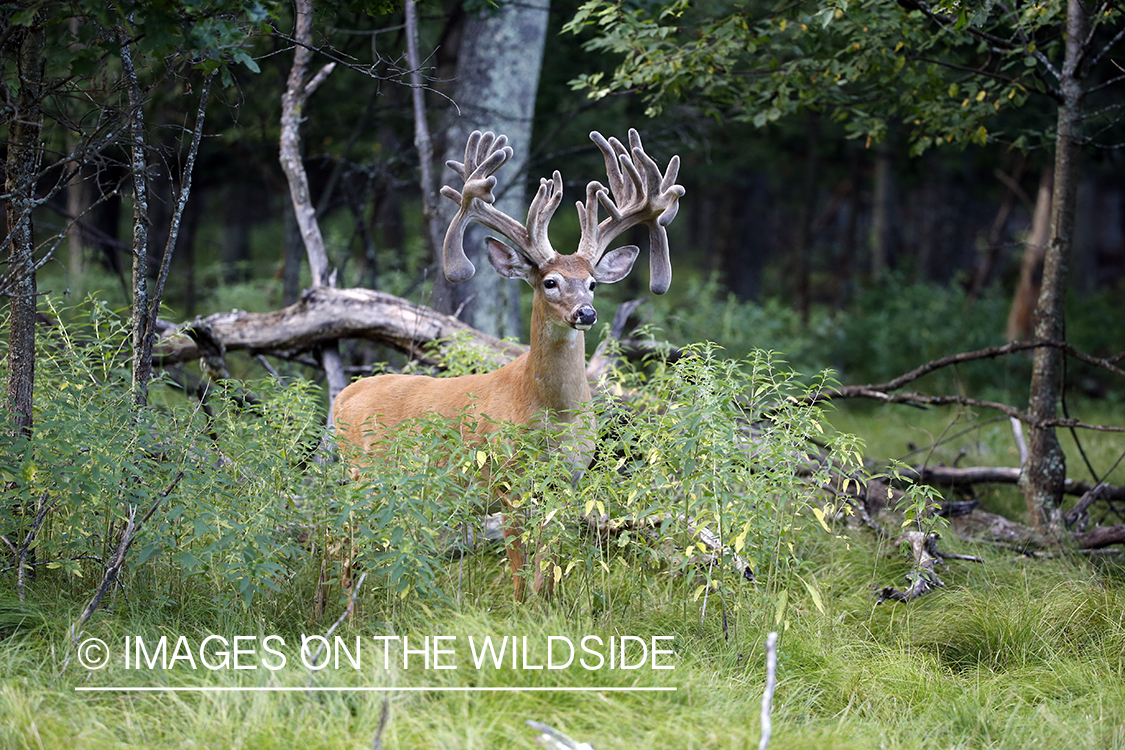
[251, 523]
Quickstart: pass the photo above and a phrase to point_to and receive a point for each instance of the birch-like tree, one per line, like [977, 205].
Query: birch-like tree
[497, 78]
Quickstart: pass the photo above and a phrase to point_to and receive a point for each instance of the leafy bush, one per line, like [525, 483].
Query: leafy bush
[231, 487]
[242, 505]
[705, 313]
[681, 448]
[886, 331]
[890, 331]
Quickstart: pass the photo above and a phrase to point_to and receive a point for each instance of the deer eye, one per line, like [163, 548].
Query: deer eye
[592, 285]
[550, 284]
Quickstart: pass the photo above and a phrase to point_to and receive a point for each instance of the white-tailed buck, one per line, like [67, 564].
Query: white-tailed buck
[547, 386]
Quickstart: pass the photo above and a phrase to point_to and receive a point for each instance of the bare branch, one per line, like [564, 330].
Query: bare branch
[767, 695]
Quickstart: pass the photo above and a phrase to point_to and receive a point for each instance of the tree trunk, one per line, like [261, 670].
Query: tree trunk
[803, 234]
[77, 201]
[987, 260]
[497, 78]
[1020, 324]
[235, 250]
[297, 92]
[291, 273]
[141, 369]
[431, 211]
[881, 213]
[1044, 473]
[25, 126]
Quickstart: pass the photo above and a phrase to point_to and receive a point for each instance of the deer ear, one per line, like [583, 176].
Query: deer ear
[508, 262]
[616, 264]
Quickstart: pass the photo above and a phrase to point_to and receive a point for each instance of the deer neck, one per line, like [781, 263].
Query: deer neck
[557, 366]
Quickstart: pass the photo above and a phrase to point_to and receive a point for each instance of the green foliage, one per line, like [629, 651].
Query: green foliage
[1008, 655]
[943, 74]
[693, 451]
[891, 330]
[692, 443]
[705, 312]
[886, 331]
[228, 505]
[208, 33]
[239, 501]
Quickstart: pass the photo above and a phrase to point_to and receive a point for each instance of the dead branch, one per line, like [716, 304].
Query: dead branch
[885, 391]
[26, 549]
[767, 695]
[1100, 537]
[128, 535]
[872, 498]
[922, 579]
[313, 668]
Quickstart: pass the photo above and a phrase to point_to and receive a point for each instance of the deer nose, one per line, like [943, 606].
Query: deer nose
[585, 317]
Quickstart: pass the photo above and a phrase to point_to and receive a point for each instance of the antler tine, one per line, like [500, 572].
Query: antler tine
[640, 195]
[485, 153]
[543, 206]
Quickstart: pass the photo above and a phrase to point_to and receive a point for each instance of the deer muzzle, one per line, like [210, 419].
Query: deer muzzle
[585, 317]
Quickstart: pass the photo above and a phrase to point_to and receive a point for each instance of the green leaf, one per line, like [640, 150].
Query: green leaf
[779, 608]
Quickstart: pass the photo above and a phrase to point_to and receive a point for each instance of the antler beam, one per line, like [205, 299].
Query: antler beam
[485, 153]
[640, 195]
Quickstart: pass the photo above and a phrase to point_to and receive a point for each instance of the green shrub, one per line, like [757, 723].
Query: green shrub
[681, 448]
[891, 330]
[704, 313]
[231, 487]
[243, 504]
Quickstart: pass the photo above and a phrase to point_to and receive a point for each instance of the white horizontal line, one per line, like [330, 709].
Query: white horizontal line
[368, 689]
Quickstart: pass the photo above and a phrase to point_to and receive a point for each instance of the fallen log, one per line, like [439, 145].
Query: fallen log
[962, 476]
[324, 314]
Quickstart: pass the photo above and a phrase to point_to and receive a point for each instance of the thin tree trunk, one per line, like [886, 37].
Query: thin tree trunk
[1044, 473]
[881, 213]
[77, 201]
[174, 229]
[291, 273]
[803, 236]
[141, 370]
[146, 302]
[25, 126]
[986, 262]
[422, 141]
[297, 93]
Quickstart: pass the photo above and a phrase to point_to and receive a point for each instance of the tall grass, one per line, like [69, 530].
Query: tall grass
[1009, 655]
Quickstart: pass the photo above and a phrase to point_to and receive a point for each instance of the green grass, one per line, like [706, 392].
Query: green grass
[957, 436]
[1009, 655]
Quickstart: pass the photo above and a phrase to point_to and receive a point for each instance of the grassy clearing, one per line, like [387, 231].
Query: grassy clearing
[1009, 655]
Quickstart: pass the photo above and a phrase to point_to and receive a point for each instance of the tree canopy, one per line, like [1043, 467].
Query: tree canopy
[943, 73]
